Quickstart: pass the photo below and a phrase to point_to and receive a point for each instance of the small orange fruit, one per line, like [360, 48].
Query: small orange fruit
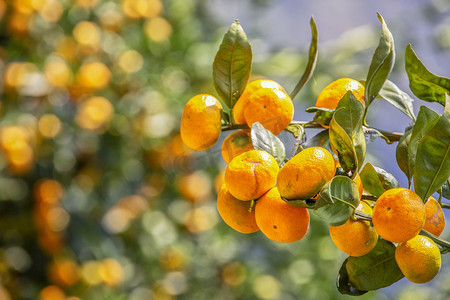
[358, 182]
[355, 237]
[253, 86]
[239, 215]
[236, 143]
[435, 219]
[251, 174]
[280, 221]
[306, 173]
[419, 259]
[271, 107]
[332, 93]
[201, 122]
[398, 215]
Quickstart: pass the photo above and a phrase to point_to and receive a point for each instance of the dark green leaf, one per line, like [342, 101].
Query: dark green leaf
[343, 283]
[424, 84]
[337, 201]
[323, 115]
[346, 134]
[381, 64]
[432, 166]
[313, 51]
[232, 65]
[374, 270]
[405, 163]
[401, 100]
[376, 180]
[445, 189]
[263, 139]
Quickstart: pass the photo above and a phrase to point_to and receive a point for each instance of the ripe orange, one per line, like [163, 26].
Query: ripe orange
[358, 182]
[332, 93]
[272, 108]
[239, 215]
[236, 143]
[251, 174]
[253, 86]
[280, 221]
[355, 237]
[398, 215]
[435, 219]
[201, 122]
[306, 173]
[419, 259]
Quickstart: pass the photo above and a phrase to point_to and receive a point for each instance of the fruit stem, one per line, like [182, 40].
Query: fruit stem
[445, 205]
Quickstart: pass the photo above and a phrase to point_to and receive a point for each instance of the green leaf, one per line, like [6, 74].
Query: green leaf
[401, 100]
[376, 180]
[323, 116]
[343, 282]
[381, 64]
[404, 161]
[424, 84]
[337, 201]
[312, 59]
[346, 134]
[374, 270]
[265, 140]
[432, 167]
[445, 189]
[232, 65]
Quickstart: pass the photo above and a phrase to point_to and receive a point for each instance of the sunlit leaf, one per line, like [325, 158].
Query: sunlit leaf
[346, 134]
[381, 65]
[322, 116]
[232, 65]
[401, 100]
[263, 139]
[376, 180]
[424, 84]
[432, 167]
[312, 59]
[337, 201]
[374, 270]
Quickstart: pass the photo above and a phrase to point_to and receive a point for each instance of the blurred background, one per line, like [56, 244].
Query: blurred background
[99, 197]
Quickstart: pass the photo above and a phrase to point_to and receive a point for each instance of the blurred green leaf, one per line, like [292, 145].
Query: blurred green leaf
[381, 64]
[432, 167]
[398, 98]
[265, 140]
[376, 180]
[424, 84]
[343, 283]
[232, 65]
[312, 59]
[337, 201]
[346, 134]
[404, 161]
[374, 270]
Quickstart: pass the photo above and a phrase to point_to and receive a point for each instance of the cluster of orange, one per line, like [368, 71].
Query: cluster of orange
[255, 190]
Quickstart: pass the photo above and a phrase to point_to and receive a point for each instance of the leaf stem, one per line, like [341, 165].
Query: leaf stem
[445, 205]
[392, 136]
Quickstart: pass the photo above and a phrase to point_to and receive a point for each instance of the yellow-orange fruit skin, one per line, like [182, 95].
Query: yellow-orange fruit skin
[398, 215]
[249, 175]
[239, 215]
[236, 143]
[304, 175]
[435, 218]
[280, 221]
[329, 97]
[419, 259]
[201, 122]
[355, 237]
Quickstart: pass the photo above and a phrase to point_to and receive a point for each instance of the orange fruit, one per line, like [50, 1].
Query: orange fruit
[358, 182]
[332, 93]
[355, 237]
[419, 259]
[239, 215]
[236, 143]
[306, 173]
[201, 122]
[272, 108]
[280, 221]
[251, 174]
[253, 86]
[435, 219]
[195, 187]
[398, 215]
